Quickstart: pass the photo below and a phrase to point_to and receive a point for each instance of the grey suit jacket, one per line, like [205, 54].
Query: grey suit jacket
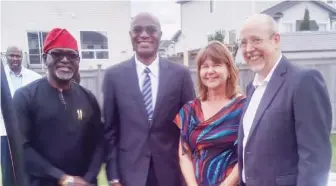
[131, 140]
[289, 140]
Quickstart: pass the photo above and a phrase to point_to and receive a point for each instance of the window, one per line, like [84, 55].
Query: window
[287, 27]
[232, 36]
[35, 46]
[211, 6]
[94, 45]
[322, 26]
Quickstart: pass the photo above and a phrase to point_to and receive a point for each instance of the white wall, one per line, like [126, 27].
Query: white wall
[197, 21]
[18, 17]
[297, 12]
[178, 45]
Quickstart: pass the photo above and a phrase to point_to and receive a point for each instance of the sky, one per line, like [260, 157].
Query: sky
[167, 11]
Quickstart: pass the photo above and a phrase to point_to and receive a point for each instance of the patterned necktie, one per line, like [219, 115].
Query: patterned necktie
[147, 94]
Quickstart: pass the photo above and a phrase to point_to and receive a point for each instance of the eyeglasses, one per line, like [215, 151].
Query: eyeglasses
[61, 55]
[253, 41]
[150, 30]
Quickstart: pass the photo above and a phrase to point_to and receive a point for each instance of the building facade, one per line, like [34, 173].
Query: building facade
[202, 18]
[100, 27]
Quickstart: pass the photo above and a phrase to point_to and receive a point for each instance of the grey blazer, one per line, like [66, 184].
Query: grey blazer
[289, 140]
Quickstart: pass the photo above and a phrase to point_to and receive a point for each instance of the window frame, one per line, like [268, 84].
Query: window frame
[93, 50]
[212, 6]
[327, 25]
[288, 22]
[40, 45]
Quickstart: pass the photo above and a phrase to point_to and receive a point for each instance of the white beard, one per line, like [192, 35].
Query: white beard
[64, 76]
[257, 68]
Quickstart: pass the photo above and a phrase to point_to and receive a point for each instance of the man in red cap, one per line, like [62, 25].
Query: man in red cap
[60, 120]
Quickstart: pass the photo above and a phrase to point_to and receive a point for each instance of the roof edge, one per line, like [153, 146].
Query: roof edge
[284, 5]
[182, 1]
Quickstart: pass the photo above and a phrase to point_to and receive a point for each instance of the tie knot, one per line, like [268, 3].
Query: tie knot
[147, 71]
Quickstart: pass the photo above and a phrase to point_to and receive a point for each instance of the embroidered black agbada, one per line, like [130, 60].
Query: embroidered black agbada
[63, 132]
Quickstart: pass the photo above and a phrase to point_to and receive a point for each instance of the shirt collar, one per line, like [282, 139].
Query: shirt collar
[258, 82]
[17, 75]
[153, 67]
[13, 73]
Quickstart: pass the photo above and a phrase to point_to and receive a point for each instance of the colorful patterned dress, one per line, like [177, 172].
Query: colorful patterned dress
[212, 143]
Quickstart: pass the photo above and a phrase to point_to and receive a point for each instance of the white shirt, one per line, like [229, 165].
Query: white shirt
[260, 87]
[14, 83]
[154, 76]
[16, 79]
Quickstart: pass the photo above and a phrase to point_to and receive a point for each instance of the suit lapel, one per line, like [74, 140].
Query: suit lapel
[133, 83]
[272, 88]
[164, 75]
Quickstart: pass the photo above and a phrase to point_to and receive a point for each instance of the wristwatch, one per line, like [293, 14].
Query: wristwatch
[68, 181]
[114, 181]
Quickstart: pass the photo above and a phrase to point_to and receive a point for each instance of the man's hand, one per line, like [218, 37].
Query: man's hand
[65, 179]
[116, 184]
[78, 181]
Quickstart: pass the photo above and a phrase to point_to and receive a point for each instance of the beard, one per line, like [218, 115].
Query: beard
[64, 76]
[257, 68]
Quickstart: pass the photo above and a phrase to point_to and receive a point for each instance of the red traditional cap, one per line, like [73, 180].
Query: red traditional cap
[59, 38]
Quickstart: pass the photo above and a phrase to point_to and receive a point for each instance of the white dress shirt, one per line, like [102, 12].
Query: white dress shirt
[14, 82]
[154, 76]
[260, 87]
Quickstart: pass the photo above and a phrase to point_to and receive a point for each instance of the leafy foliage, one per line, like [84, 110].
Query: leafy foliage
[219, 35]
[305, 24]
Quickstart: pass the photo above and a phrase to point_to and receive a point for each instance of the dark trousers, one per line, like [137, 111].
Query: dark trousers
[151, 178]
[6, 162]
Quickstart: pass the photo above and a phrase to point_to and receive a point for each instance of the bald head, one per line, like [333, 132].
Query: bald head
[14, 58]
[146, 16]
[13, 47]
[260, 43]
[263, 21]
[145, 35]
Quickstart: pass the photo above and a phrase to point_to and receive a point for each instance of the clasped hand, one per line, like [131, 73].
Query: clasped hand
[77, 181]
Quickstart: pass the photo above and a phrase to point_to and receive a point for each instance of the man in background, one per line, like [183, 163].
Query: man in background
[17, 76]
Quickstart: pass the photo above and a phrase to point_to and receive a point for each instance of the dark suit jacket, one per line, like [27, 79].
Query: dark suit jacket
[18, 177]
[131, 139]
[289, 140]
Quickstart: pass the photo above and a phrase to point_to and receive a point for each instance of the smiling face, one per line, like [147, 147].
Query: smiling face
[213, 74]
[145, 35]
[216, 71]
[14, 59]
[62, 63]
[259, 45]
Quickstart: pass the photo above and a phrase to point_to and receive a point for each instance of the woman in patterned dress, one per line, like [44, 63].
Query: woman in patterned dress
[209, 124]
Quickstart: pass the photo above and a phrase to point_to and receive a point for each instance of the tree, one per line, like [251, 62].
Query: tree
[305, 24]
[219, 35]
